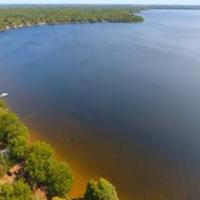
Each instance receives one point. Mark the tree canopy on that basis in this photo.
(18, 147)
(100, 190)
(10, 126)
(37, 162)
(3, 104)
(17, 191)
(59, 179)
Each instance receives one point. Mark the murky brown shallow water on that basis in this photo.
(115, 100)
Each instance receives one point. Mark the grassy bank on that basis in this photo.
(19, 17)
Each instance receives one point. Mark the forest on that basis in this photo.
(14, 17)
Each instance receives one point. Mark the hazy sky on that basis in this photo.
(106, 1)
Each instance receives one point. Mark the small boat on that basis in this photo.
(3, 95)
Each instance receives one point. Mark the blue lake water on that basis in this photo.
(120, 101)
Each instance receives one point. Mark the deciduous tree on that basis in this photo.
(100, 190)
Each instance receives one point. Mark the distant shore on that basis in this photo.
(12, 18)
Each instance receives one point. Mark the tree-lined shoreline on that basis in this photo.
(16, 17)
(29, 171)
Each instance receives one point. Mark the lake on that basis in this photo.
(121, 101)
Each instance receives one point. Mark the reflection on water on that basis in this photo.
(116, 100)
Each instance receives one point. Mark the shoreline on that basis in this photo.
(22, 155)
(13, 18)
(65, 23)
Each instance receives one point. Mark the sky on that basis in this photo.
(182, 2)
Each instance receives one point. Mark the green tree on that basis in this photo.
(10, 126)
(3, 104)
(22, 190)
(5, 162)
(100, 190)
(38, 161)
(17, 191)
(59, 180)
(6, 192)
(18, 147)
